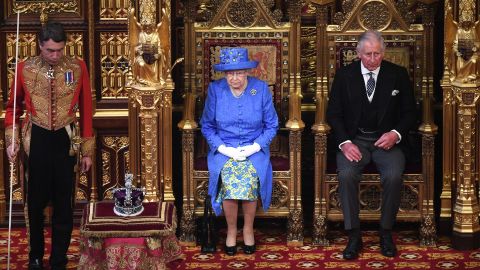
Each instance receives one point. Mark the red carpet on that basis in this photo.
(274, 254)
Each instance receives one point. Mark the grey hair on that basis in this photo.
(370, 35)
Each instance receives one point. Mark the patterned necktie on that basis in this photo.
(370, 84)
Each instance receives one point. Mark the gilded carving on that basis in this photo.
(319, 236)
(187, 141)
(308, 60)
(187, 226)
(114, 10)
(320, 144)
(428, 231)
(295, 226)
(462, 44)
(201, 192)
(105, 168)
(115, 143)
(295, 141)
(374, 15)
(428, 144)
(27, 47)
(80, 195)
(242, 13)
(149, 45)
(71, 6)
(74, 45)
(279, 194)
(83, 179)
(114, 64)
(370, 197)
(409, 198)
(17, 195)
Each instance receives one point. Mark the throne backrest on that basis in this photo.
(405, 45)
(267, 42)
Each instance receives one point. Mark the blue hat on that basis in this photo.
(234, 59)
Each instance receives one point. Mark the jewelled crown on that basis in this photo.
(128, 200)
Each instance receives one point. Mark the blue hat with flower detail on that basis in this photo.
(234, 58)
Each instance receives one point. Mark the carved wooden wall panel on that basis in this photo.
(114, 64)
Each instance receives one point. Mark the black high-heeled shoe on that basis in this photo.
(249, 249)
(231, 251)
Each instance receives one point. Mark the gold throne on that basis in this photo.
(253, 25)
(408, 45)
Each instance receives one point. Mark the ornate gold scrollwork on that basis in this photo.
(46, 7)
(319, 236)
(374, 15)
(187, 226)
(295, 226)
(279, 194)
(242, 13)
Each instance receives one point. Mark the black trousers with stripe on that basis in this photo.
(51, 179)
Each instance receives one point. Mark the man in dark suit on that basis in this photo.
(371, 109)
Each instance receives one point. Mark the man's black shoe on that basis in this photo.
(354, 246)
(35, 264)
(387, 246)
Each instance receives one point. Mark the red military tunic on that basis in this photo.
(51, 103)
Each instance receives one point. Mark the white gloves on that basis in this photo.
(249, 150)
(231, 152)
(239, 153)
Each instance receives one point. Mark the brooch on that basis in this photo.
(253, 92)
(69, 77)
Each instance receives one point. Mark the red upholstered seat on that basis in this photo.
(278, 164)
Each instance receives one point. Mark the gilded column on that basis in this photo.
(295, 125)
(462, 85)
(150, 106)
(188, 126)
(321, 128)
(466, 209)
(428, 129)
(449, 122)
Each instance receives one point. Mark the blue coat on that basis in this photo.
(238, 122)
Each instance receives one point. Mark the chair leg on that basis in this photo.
(320, 230)
(188, 227)
(428, 231)
(295, 227)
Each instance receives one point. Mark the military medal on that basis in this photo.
(69, 77)
(50, 73)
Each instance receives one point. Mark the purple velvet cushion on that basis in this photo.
(99, 220)
(137, 196)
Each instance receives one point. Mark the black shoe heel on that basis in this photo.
(230, 251)
(249, 249)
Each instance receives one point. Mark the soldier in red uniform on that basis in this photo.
(52, 88)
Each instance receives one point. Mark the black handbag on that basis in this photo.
(208, 233)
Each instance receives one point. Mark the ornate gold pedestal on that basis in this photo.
(150, 118)
(466, 209)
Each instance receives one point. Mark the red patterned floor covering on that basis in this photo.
(273, 253)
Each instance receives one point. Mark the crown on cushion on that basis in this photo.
(128, 200)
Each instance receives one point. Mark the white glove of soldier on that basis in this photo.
(249, 150)
(231, 152)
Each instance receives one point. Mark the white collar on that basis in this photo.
(366, 71)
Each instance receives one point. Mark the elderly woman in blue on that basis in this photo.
(239, 122)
